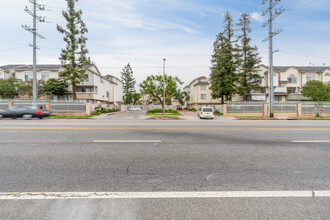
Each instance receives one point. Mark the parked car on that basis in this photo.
(134, 109)
(26, 112)
(206, 112)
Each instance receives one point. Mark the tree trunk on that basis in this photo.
(74, 93)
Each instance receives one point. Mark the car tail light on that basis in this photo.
(39, 112)
(201, 113)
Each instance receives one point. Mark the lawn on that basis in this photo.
(168, 117)
(159, 112)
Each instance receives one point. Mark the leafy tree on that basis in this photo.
(56, 87)
(132, 98)
(225, 63)
(26, 88)
(9, 88)
(182, 97)
(74, 57)
(317, 91)
(249, 78)
(128, 82)
(153, 86)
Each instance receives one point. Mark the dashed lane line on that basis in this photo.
(162, 195)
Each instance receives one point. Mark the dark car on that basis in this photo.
(26, 112)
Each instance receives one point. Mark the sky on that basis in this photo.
(144, 32)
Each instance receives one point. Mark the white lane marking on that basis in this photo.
(127, 141)
(311, 141)
(163, 195)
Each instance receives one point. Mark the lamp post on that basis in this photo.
(164, 86)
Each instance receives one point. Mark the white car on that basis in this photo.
(134, 109)
(206, 112)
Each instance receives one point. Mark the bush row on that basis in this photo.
(101, 110)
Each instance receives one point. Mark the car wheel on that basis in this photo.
(27, 116)
(1, 117)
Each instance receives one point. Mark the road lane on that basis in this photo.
(191, 157)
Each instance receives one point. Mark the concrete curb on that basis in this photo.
(116, 113)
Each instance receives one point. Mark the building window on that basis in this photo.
(86, 90)
(108, 94)
(28, 76)
(291, 91)
(86, 78)
(292, 79)
(96, 90)
(253, 91)
(45, 76)
(327, 74)
(203, 96)
(203, 87)
(310, 77)
(101, 80)
(282, 85)
(202, 80)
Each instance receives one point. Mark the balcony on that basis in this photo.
(296, 97)
(85, 95)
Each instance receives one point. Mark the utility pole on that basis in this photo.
(164, 87)
(34, 45)
(272, 16)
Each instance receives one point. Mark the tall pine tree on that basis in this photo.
(249, 78)
(225, 63)
(128, 82)
(74, 57)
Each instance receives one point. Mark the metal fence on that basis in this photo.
(67, 107)
(285, 107)
(3, 106)
(245, 107)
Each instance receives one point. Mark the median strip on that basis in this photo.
(162, 195)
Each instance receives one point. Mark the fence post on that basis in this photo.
(47, 107)
(265, 110)
(299, 110)
(10, 104)
(88, 109)
(224, 109)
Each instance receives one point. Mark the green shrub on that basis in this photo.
(217, 112)
(101, 110)
(155, 111)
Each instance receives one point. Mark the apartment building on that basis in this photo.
(200, 93)
(95, 88)
(288, 82)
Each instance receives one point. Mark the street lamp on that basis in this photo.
(164, 87)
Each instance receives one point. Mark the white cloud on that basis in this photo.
(257, 16)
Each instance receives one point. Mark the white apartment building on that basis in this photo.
(288, 83)
(200, 93)
(95, 88)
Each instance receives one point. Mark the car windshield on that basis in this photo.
(207, 110)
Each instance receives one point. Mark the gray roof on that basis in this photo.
(30, 67)
(12, 66)
(304, 68)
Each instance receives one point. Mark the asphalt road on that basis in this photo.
(164, 157)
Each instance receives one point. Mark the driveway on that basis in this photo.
(129, 115)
